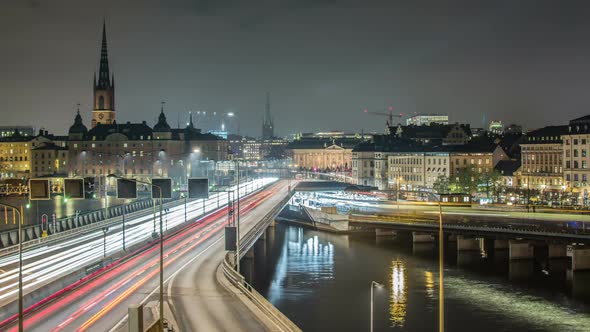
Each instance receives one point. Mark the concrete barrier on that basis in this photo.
(29, 234)
(5, 240)
(14, 236)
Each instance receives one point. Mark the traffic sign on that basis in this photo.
(165, 184)
(198, 188)
(126, 189)
(74, 188)
(39, 189)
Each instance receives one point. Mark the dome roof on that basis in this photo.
(78, 127)
(162, 125)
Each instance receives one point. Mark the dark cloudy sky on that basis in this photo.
(322, 60)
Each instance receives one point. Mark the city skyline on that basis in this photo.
(224, 57)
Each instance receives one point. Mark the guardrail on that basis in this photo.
(236, 279)
(116, 214)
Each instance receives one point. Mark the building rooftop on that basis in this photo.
(507, 167)
(546, 135)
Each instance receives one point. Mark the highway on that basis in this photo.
(100, 301)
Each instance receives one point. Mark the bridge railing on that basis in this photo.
(248, 240)
(513, 229)
(270, 311)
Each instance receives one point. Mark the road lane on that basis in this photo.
(43, 270)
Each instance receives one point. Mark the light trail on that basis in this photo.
(87, 249)
(212, 228)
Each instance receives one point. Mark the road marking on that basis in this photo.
(166, 281)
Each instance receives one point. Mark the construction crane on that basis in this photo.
(390, 115)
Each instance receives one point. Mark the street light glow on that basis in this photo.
(197, 150)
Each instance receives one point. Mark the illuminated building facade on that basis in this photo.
(542, 156)
(8, 131)
(427, 119)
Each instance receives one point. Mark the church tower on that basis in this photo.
(267, 124)
(104, 89)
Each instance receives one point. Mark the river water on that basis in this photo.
(322, 282)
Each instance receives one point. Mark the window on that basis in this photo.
(584, 179)
(575, 141)
(567, 177)
(575, 177)
(575, 164)
(567, 164)
(583, 163)
(583, 152)
(567, 142)
(583, 141)
(101, 103)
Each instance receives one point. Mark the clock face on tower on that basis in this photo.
(100, 116)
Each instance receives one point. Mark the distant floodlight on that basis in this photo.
(230, 114)
(197, 150)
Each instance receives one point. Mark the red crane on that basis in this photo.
(390, 115)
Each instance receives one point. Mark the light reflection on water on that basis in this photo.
(398, 294)
(302, 264)
(529, 309)
(321, 281)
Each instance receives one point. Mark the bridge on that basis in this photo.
(86, 280)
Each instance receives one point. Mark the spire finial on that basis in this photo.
(103, 73)
(162, 109)
(78, 108)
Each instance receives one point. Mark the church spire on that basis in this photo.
(267, 117)
(103, 72)
(267, 124)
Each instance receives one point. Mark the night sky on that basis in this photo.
(323, 61)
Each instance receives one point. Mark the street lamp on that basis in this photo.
(105, 230)
(161, 245)
(373, 285)
(441, 308)
(20, 263)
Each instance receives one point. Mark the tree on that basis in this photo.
(465, 181)
(442, 184)
(490, 183)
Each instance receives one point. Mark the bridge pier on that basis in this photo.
(418, 237)
(383, 232)
(501, 244)
(260, 249)
(465, 243)
(557, 250)
(580, 258)
(520, 250)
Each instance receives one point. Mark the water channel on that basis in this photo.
(321, 281)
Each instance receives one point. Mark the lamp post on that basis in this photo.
(161, 245)
(373, 285)
(238, 220)
(20, 263)
(105, 230)
(441, 306)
